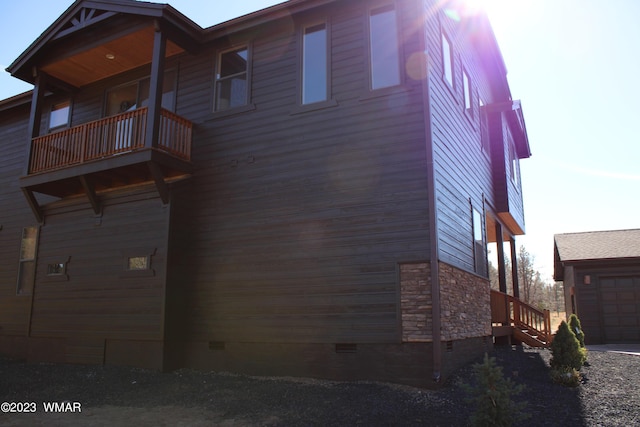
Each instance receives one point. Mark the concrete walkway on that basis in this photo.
(616, 348)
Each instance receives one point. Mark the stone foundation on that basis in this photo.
(465, 309)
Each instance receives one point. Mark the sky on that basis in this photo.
(572, 63)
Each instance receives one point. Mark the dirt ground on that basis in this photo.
(119, 396)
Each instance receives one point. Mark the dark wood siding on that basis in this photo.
(462, 168)
(14, 215)
(98, 298)
(299, 220)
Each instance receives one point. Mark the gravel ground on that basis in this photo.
(113, 396)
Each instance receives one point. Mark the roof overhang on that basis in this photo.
(94, 39)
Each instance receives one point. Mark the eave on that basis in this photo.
(87, 31)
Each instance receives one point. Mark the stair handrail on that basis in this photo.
(520, 314)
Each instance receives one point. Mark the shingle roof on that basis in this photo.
(598, 245)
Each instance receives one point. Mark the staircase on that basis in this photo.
(517, 322)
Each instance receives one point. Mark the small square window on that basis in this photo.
(55, 269)
(59, 115)
(137, 263)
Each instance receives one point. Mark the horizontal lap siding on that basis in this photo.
(300, 220)
(462, 169)
(14, 215)
(97, 299)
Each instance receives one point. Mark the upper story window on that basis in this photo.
(59, 114)
(466, 86)
(314, 64)
(384, 47)
(232, 79)
(447, 60)
(484, 127)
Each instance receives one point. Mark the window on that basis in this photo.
(27, 264)
(137, 263)
(55, 269)
(314, 64)
(447, 60)
(59, 115)
(513, 163)
(231, 79)
(466, 86)
(478, 244)
(134, 95)
(484, 127)
(384, 55)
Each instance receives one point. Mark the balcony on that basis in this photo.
(106, 154)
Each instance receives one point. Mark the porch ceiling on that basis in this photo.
(128, 52)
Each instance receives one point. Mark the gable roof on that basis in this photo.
(83, 14)
(595, 245)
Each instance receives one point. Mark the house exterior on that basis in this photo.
(600, 271)
(305, 190)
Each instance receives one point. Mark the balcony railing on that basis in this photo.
(108, 137)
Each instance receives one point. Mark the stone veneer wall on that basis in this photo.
(464, 303)
(415, 302)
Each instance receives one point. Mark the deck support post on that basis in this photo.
(155, 89)
(514, 268)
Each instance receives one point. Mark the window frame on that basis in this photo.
(467, 93)
(127, 255)
(303, 61)
(22, 261)
(448, 77)
(398, 51)
(478, 229)
(247, 73)
(61, 125)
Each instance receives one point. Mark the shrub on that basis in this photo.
(576, 328)
(566, 350)
(566, 376)
(491, 395)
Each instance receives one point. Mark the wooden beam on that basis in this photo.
(502, 271)
(91, 194)
(155, 89)
(158, 178)
(34, 205)
(514, 268)
(35, 116)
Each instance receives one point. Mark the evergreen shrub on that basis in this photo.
(565, 349)
(491, 394)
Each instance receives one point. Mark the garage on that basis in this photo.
(600, 271)
(620, 302)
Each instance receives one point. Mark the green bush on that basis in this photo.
(566, 376)
(566, 350)
(576, 328)
(491, 396)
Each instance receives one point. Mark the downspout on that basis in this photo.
(433, 230)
